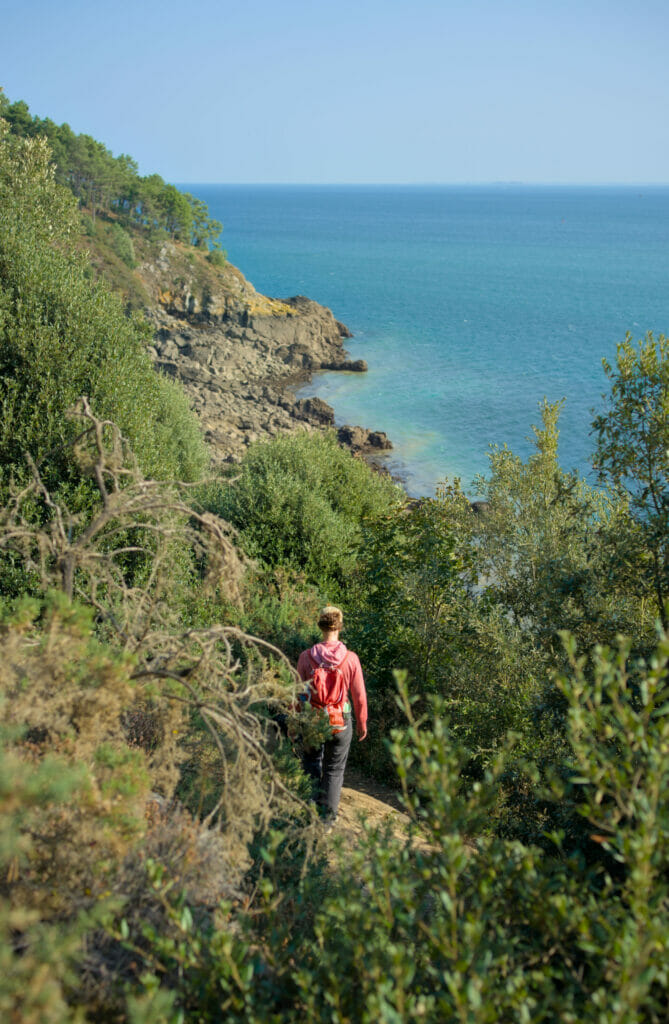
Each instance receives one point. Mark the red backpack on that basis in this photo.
(328, 691)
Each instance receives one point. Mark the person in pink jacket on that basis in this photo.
(326, 764)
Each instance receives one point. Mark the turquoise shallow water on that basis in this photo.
(470, 304)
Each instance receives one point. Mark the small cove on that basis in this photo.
(470, 304)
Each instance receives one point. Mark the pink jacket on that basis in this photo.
(332, 654)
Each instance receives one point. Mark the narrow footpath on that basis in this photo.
(364, 799)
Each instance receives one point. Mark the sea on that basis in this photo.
(470, 304)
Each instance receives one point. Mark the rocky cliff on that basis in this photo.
(239, 354)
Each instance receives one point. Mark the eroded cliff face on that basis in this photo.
(239, 354)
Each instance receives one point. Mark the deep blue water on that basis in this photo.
(470, 304)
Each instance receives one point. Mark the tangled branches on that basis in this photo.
(91, 554)
(120, 555)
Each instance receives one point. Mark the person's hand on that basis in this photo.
(362, 733)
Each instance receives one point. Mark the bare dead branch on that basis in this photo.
(118, 557)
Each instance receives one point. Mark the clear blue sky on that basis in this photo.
(364, 91)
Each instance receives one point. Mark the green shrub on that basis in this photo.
(280, 606)
(631, 458)
(37, 958)
(96, 862)
(447, 923)
(217, 257)
(87, 225)
(122, 245)
(299, 501)
(62, 337)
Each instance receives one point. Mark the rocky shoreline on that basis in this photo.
(240, 355)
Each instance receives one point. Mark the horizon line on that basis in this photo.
(432, 184)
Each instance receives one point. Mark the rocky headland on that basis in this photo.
(240, 355)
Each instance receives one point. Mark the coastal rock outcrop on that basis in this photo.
(352, 365)
(240, 355)
(315, 410)
(363, 441)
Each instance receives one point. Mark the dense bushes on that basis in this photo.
(300, 501)
(61, 337)
(445, 929)
(441, 926)
(164, 917)
(101, 871)
(157, 862)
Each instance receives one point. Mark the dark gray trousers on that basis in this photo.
(326, 765)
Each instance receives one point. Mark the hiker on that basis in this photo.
(333, 672)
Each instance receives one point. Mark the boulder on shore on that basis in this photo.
(352, 365)
(363, 441)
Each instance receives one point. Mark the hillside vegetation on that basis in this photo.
(159, 858)
(105, 184)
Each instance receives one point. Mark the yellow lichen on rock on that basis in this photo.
(261, 305)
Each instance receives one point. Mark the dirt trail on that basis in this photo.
(368, 801)
(371, 801)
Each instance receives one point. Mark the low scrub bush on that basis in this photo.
(122, 245)
(449, 923)
(299, 501)
(280, 606)
(217, 257)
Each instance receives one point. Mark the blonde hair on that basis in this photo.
(330, 619)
